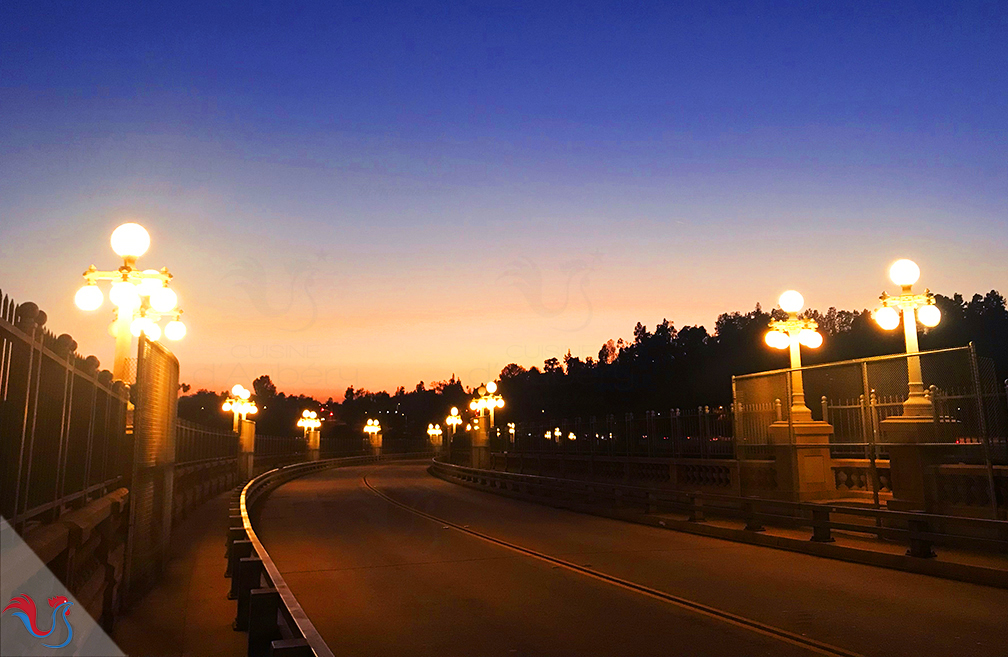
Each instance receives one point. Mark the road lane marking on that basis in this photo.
(696, 607)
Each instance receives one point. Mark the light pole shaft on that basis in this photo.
(916, 403)
(799, 411)
(122, 344)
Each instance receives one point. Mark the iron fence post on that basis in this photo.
(868, 425)
(975, 371)
(820, 525)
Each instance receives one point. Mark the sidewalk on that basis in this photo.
(188, 612)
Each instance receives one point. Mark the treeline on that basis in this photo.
(657, 369)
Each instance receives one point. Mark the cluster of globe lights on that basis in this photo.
(372, 427)
(309, 420)
(130, 241)
(792, 302)
(487, 399)
(434, 430)
(453, 418)
(905, 273)
(239, 402)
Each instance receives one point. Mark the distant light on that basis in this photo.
(904, 272)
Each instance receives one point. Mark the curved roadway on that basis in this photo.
(511, 578)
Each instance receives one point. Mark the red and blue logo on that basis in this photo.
(24, 609)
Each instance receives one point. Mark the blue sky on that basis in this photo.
(402, 191)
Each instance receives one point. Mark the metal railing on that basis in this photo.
(266, 607)
(918, 531)
(62, 422)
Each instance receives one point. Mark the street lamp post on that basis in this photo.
(240, 403)
(913, 308)
(453, 421)
(434, 433)
(373, 430)
(484, 405)
(310, 422)
(792, 333)
(141, 297)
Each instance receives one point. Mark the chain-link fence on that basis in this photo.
(950, 399)
(155, 396)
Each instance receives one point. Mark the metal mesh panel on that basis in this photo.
(759, 402)
(156, 399)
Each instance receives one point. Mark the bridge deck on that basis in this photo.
(379, 579)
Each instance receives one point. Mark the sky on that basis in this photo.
(371, 195)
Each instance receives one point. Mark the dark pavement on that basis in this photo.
(377, 579)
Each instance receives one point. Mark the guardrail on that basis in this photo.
(919, 531)
(267, 609)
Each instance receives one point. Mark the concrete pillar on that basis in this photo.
(314, 441)
(246, 450)
(481, 443)
(909, 459)
(803, 466)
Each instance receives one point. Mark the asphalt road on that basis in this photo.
(378, 579)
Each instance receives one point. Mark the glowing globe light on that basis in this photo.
(89, 297)
(237, 389)
(138, 326)
(124, 295)
(904, 272)
(791, 301)
(491, 387)
(777, 340)
(929, 315)
(887, 318)
(163, 299)
(150, 283)
(226, 406)
(130, 240)
(454, 410)
(809, 338)
(175, 330)
(152, 331)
